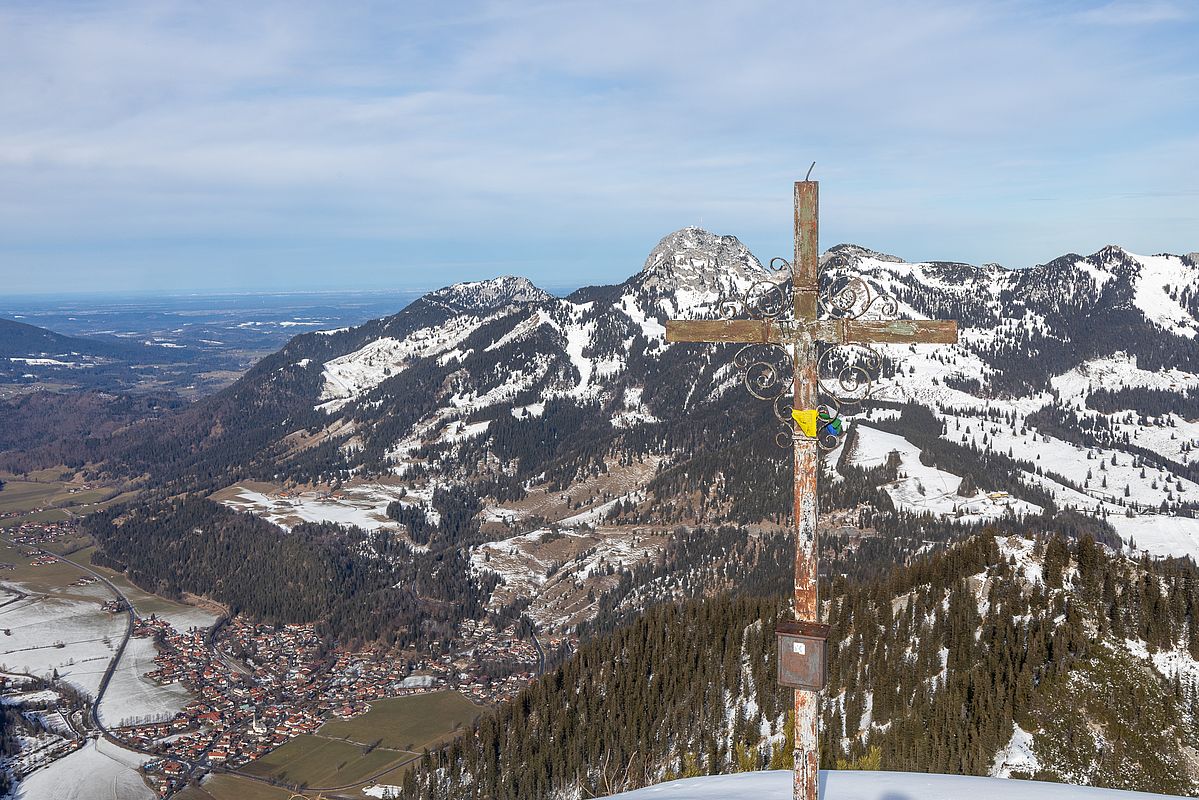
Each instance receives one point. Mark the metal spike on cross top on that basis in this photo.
(822, 349)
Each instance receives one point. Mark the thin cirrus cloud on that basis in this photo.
(1133, 13)
(164, 145)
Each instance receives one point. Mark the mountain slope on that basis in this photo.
(475, 353)
(573, 415)
(23, 341)
(1035, 657)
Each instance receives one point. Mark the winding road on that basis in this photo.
(540, 655)
(130, 614)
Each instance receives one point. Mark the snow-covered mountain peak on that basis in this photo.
(1111, 252)
(694, 259)
(848, 253)
(1112, 260)
(489, 294)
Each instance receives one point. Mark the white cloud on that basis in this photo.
(502, 125)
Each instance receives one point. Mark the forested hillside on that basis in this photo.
(1047, 657)
(356, 585)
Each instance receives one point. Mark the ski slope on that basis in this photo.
(855, 785)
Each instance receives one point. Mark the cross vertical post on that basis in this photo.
(813, 425)
(805, 286)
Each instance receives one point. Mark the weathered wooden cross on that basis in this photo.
(802, 665)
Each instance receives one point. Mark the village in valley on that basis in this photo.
(253, 691)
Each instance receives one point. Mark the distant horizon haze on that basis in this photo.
(561, 289)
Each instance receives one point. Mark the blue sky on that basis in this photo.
(193, 146)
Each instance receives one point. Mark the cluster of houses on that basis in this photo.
(39, 533)
(240, 712)
(358, 678)
(254, 687)
(491, 666)
(260, 685)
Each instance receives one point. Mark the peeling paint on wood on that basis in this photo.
(899, 331)
(807, 468)
(831, 331)
(746, 331)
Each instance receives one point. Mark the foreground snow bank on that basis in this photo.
(874, 786)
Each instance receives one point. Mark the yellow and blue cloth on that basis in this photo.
(811, 421)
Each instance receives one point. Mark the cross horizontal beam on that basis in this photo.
(831, 331)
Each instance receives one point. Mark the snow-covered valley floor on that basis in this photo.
(854, 785)
(98, 771)
(132, 696)
(44, 633)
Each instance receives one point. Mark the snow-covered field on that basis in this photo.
(1091, 468)
(364, 505)
(98, 771)
(39, 634)
(851, 785)
(130, 695)
(1117, 371)
(182, 618)
(1160, 535)
(924, 489)
(928, 489)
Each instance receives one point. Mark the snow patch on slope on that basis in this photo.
(1016, 756)
(362, 505)
(1156, 274)
(925, 489)
(1117, 371)
(349, 376)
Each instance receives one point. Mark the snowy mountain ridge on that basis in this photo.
(1163, 287)
(692, 272)
(485, 295)
(564, 411)
(431, 387)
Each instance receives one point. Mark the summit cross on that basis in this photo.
(802, 643)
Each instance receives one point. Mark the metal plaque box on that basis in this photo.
(803, 654)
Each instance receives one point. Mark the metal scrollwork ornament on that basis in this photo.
(766, 298)
(766, 371)
(846, 373)
(853, 298)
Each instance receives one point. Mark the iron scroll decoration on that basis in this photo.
(846, 373)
